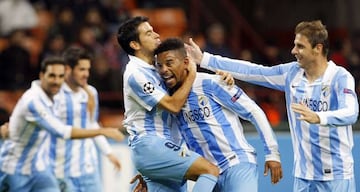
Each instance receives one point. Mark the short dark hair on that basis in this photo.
(128, 31)
(171, 44)
(73, 54)
(51, 60)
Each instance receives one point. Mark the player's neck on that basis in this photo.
(316, 71)
(148, 58)
(74, 87)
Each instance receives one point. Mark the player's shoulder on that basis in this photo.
(92, 89)
(205, 76)
(337, 69)
(208, 78)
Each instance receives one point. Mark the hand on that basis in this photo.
(306, 113)
(192, 66)
(227, 77)
(113, 133)
(141, 186)
(115, 161)
(275, 169)
(4, 130)
(194, 51)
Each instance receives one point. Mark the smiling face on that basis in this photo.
(172, 66)
(78, 76)
(304, 52)
(52, 79)
(311, 44)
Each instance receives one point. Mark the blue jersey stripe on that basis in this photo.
(219, 92)
(83, 126)
(332, 97)
(69, 121)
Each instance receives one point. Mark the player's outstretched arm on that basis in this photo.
(115, 161)
(114, 133)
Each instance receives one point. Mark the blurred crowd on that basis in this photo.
(33, 29)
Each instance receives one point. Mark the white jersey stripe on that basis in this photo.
(143, 89)
(322, 151)
(32, 120)
(210, 125)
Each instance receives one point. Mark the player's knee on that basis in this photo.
(209, 168)
(213, 170)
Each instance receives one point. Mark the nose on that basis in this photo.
(87, 73)
(163, 69)
(294, 50)
(59, 80)
(156, 35)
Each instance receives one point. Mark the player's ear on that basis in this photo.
(135, 45)
(318, 48)
(41, 75)
(186, 61)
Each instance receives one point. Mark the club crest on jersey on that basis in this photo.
(148, 88)
(325, 90)
(237, 95)
(202, 101)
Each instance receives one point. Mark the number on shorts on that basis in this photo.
(172, 146)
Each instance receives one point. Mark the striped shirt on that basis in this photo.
(321, 151)
(31, 123)
(142, 92)
(210, 125)
(77, 157)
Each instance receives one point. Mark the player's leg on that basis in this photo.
(41, 181)
(161, 159)
(301, 185)
(64, 185)
(238, 178)
(165, 186)
(347, 185)
(89, 182)
(204, 173)
(44, 181)
(4, 186)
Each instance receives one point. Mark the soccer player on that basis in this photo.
(321, 107)
(147, 115)
(76, 161)
(210, 125)
(24, 156)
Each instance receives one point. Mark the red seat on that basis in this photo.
(168, 22)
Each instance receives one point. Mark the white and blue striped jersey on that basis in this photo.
(321, 151)
(210, 125)
(31, 123)
(77, 157)
(143, 89)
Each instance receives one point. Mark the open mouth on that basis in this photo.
(168, 79)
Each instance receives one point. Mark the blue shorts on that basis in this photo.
(159, 159)
(84, 183)
(304, 185)
(238, 178)
(166, 186)
(64, 185)
(43, 181)
(3, 185)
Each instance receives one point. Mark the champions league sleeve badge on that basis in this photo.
(148, 88)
